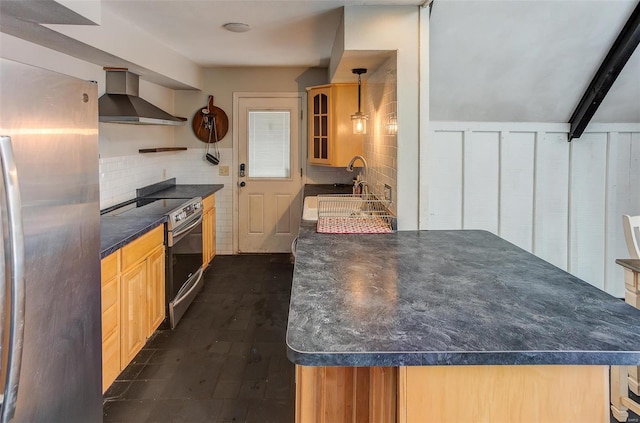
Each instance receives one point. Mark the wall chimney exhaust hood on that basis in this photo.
(121, 104)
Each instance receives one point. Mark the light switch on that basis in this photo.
(223, 171)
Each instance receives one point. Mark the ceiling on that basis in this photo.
(283, 33)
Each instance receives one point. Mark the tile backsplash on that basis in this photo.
(121, 176)
(381, 140)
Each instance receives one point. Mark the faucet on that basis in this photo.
(364, 162)
(363, 182)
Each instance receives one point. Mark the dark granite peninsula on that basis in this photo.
(450, 326)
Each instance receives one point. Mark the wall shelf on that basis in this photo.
(160, 149)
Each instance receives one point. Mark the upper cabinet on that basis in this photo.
(331, 139)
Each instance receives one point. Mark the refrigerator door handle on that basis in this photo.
(17, 287)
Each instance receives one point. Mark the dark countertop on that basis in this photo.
(316, 189)
(447, 298)
(631, 264)
(118, 231)
(186, 191)
(169, 189)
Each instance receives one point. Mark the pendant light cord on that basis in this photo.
(359, 93)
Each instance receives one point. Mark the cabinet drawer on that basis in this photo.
(109, 266)
(208, 202)
(140, 248)
(110, 320)
(109, 293)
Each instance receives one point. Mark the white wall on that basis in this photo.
(396, 28)
(524, 182)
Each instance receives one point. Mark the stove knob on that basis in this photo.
(178, 218)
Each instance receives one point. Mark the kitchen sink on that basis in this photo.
(310, 209)
(347, 214)
(336, 206)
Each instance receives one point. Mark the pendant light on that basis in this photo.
(359, 119)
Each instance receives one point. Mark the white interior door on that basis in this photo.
(269, 193)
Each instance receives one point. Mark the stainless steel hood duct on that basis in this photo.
(121, 104)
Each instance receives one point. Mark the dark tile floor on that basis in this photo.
(226, 361)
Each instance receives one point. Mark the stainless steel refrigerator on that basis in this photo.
(49, 198)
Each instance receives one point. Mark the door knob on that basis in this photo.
(241, 184)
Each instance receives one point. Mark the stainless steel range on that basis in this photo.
(183, 237)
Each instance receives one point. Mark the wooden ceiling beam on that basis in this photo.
(613, 63)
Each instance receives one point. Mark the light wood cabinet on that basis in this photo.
(507, 393)
(134, 311)
(208, 229)
(110, 319)
(345, 394)
(331, 138)
(155, 290)
(133, 301)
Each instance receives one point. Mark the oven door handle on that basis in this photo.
(188, 228)
(189, 286)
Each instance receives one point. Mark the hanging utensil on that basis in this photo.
(212, 158)
(216, 151)
(206, 123)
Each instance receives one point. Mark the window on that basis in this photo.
(269, 144)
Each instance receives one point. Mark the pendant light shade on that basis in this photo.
(359, 119)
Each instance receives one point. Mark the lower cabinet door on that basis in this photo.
(212, 234)
(110, 360)
(208, 236)
(206, 229)
(155, 290)
(134, 325)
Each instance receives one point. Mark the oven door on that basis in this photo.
(184, 272)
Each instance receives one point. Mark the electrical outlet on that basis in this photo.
(387, 192)
(164, 174)
(223, 171)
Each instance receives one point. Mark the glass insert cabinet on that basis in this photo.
(331, 140)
